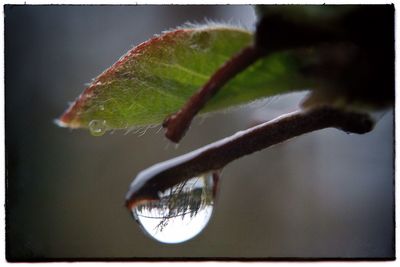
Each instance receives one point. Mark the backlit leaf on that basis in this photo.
(155, 79)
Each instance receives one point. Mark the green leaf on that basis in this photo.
(156, 78)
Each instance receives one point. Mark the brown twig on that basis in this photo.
(177, 124)
(216, 155)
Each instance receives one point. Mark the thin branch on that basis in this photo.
(216, 155)
(177, 124)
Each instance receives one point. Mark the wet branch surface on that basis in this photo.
(216, 155)
(177, 124)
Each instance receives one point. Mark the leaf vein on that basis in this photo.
(180, 67)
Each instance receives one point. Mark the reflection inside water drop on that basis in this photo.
(97, 127)
(181, 213)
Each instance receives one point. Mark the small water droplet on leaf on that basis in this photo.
(181, 213)
(97, 127)
(201, 41)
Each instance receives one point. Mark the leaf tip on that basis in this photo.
(68, 118)
(60, 123)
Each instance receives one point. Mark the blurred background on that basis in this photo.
(324, 194)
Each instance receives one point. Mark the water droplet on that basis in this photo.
(97, 127)
(201, 41)
(182, 211)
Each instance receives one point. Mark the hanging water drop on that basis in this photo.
(97, 127)
(181, 212)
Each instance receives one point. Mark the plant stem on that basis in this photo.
(177, 124)
(216, 155)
